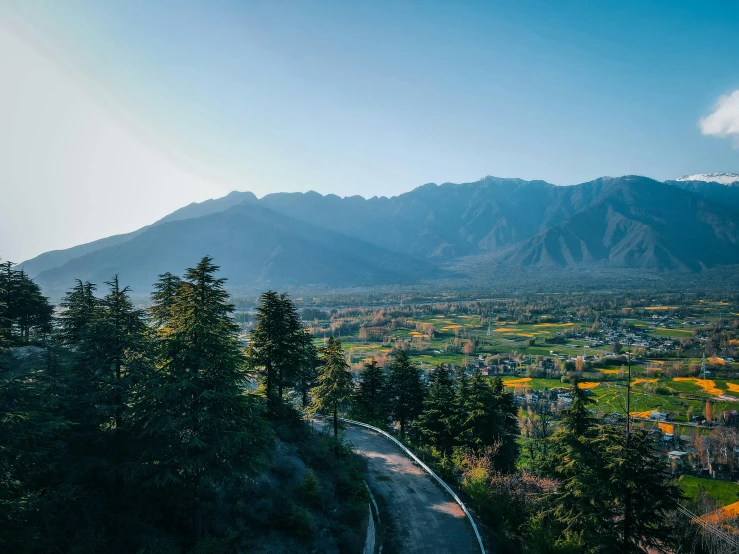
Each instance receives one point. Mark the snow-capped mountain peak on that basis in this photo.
(723, 178)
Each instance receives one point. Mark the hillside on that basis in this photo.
(252, 244)
(311, 239)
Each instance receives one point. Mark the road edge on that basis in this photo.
(428, 470)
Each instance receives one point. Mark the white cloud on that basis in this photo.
(723, 121)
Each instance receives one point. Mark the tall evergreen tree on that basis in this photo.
(370, 398)
(78, 311)
(307, 373)
(200, 429)
(481, 424)
(436, 420)
(507, 427)
(636, 490)
(458, 409)
(276, 346)
(24, 310)
(32, 440)
(576, 504)
(120, 335)
(406, 391)
(335, 385)
(163, 299)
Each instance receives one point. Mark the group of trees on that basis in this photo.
(452, 412)
(135, 430)
(24, 311)
(588, 486)
(613, 493)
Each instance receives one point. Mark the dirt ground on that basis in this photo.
(426, 520)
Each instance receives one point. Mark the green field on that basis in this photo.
(723, 492)
(611, 397)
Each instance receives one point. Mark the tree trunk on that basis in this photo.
(269, 387)
(118, 398)
(197, 530)
(336, 424)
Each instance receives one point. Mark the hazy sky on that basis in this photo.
(114, 113)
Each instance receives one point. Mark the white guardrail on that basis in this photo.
(439, 480)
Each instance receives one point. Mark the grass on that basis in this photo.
(673, 333)
(723, 492)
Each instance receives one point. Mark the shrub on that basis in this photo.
(309, 490)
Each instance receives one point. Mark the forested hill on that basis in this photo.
(425, 234)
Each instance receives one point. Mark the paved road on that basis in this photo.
(426, 520)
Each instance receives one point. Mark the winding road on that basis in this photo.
(425, 519)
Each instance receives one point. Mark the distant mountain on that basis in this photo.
(309, 238)
(638, 223)
(57, 258)
(723, 178)
(254, 246)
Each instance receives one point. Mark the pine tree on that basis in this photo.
(75, 331)
(370, 398)
(481, 424)
(307, 373)
(508, 429)
(406, 391)
(163, 299)
(120, 335)
(32, 440)
(275, 351)
(78, 310)
(635, 490)
(458, 409)
(435, 422)
(574, 506)
(335, 385)
(200, 430)
(24, 311)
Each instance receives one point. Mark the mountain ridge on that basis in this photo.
(625, 222)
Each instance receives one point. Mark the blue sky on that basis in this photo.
(376, 98)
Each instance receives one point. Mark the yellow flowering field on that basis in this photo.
(721, 515)
(707, 385)
(516, 382)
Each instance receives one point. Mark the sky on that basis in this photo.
(115, 113)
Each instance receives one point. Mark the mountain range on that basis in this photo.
(432, 232)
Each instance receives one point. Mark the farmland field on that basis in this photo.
(723, 492)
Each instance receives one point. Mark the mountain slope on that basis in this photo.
(254, 246)
(639, 223)
(57, 258)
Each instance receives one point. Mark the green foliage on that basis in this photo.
(436, 420)
(32, 434)
(335, 386)
(406, 391)
(607, 476)
(199, 426)
(279, 349)
(722, 492)
(370, 398)
(309, 490)
(25, 313)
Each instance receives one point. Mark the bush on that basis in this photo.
(309, 490)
